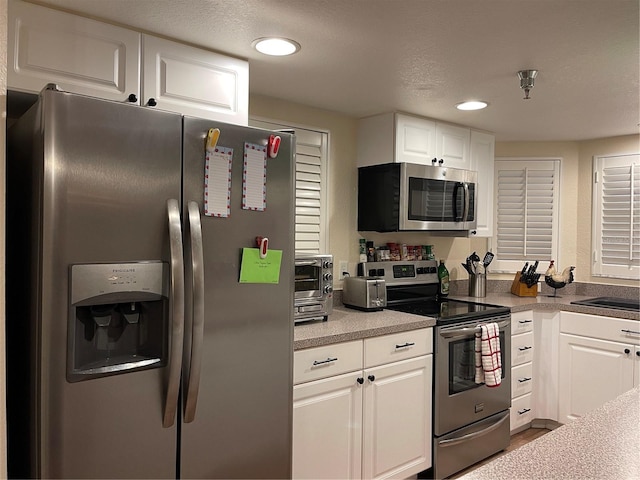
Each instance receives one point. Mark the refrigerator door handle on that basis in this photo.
(197, 322)
(176, 302)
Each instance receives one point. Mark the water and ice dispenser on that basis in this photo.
(118, 318)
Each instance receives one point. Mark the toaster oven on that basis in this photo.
(313, 299)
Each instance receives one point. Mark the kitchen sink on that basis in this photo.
(611, 302)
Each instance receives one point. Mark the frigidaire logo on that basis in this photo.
(123, 270)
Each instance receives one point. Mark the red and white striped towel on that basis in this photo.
(488, 359)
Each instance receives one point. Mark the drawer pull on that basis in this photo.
(408, 344)
(323, 362)
(523, 411)
(525, 321)
(522, 349)
(631, 332)
(525, 379)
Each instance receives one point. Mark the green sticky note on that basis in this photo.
(254, 269)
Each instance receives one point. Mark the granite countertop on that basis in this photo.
(603, 444)
(346, 324)
(550, 303)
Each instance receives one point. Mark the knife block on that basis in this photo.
(521, 290)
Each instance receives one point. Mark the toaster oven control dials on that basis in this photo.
(327, 264)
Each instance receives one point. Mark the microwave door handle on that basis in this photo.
(456, 218)
(465, 214)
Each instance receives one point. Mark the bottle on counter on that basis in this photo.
(443, 278)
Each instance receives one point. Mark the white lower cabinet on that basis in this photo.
(599, 359)
(397, 419)
(327, 428)
(522, 353)
(371, 422)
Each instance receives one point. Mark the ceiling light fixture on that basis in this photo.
(473, 105)
(527, 78)
(276, 46)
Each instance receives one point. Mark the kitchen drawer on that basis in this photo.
(397, 346)
(327, 361)
(521, 411)
(603, 328)
(521, 379)
(521, 322)
(521, 348)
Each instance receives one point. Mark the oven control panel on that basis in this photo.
(399, 273)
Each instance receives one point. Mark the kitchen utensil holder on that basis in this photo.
(478, 285)
(521, 290)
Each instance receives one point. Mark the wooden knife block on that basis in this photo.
(521, 290)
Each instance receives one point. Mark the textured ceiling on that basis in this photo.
(362, 57)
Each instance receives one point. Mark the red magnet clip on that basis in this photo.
(263, 245)
(274, 145)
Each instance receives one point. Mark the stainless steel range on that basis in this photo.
(470, 420)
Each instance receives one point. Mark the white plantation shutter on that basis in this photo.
(526, 200)
(310, 182)
(616, 216)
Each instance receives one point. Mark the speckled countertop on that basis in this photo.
(346, 324)
(603, 444)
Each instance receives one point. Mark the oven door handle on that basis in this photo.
(470, 436)
(466, 331)
(305, 263)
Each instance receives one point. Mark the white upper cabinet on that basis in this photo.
(93, 58)
(195, 82)
(452, 146)
(398, 137)
(482, 153)
(80, 55)
(415, 139)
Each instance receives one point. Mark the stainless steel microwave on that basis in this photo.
(396, 197)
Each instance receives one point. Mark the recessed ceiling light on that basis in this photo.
(475, 105)
(276, 46)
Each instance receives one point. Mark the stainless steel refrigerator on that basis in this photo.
(135, 347)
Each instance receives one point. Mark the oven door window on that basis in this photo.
(462, 368)
(307, 278)
(439, 200)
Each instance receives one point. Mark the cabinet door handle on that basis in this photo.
(631, 332)
(525, 379)
(638, 353)
(360, 380)
(522, 349)
(525, 321)
(523, 411)
(322, 362)
(408, 344)
(371, 378)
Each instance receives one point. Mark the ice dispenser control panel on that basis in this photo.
(118, 318)
(93, 280)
